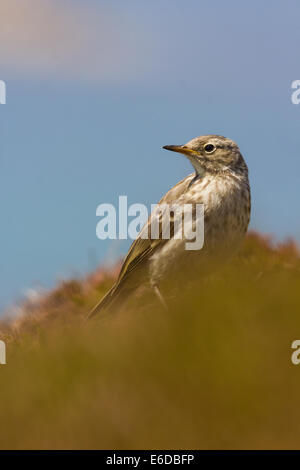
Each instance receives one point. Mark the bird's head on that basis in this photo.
(212, 154)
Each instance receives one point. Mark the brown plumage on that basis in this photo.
(220, 182)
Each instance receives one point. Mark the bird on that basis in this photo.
(220, 183)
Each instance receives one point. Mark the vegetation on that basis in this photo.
(214, 372)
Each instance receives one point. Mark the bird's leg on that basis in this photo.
(160, 297)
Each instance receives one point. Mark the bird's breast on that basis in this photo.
(226, 204)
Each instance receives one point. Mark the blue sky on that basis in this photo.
(95, 88)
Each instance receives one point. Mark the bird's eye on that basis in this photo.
(209, 148)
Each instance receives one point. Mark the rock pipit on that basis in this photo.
(220, 182)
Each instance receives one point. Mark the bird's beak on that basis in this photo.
(182, 149)
(193, 156)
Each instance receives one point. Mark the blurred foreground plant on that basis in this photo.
(214, 371)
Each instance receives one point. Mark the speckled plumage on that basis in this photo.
(220, 182)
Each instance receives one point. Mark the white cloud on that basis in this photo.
(65, 39)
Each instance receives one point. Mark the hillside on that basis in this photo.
(214, 371)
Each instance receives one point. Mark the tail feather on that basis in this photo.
(112, 298)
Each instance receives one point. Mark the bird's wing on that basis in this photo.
(142, 248)
(140, 251)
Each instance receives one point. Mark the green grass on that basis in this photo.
(213, 372)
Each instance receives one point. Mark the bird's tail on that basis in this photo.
(112, 298)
